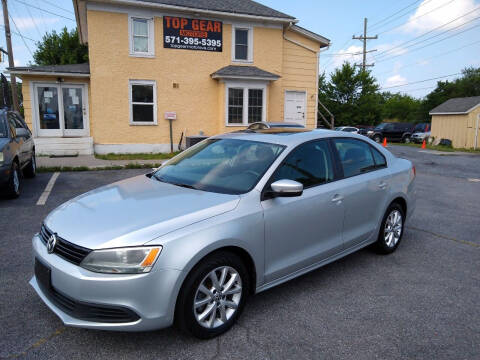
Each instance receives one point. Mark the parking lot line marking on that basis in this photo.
(48, 189)
(465, 242)
(473, 180)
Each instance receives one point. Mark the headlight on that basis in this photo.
(133, 260)
(1, 156)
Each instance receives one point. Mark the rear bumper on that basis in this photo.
(151, 297)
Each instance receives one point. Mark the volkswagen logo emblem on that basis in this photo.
(52, 241)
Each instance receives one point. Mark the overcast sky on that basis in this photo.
(417, 40)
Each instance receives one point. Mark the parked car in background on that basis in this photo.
(17, 153)
(364, 129)
(233, 215)
(261, 125)
(421, 132)
(392, 131)
(350, 129)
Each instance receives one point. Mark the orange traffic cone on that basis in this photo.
(384, 142)
(424, 145)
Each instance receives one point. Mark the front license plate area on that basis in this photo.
(43, 274)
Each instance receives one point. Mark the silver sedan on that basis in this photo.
(230, 217)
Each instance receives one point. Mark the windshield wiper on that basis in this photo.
(174, 183)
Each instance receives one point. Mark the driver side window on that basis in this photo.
(310, 164)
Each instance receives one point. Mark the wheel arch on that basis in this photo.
(402, 202)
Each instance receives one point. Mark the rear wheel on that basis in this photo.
(31, 169)
(391, 230)
(406, 139)
(213, 295)
(13, 185)
(377, 139)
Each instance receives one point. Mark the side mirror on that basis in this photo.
(286, 188)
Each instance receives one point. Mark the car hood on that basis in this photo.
(134, 211)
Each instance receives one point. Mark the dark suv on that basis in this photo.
(392, 131)
(17, 152)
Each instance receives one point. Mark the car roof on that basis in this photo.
(286, 136)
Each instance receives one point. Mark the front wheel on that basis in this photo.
(406, 139)
(213, 296)
(391, 230)
(31, 169)
(13, 186)
(377, 139)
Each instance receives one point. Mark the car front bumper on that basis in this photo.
(151, 296)
(4, 173)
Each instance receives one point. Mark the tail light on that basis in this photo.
(414, 171)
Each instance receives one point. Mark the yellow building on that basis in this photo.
(458, 120)
(214, 66)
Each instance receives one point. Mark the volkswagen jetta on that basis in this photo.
(232, 216)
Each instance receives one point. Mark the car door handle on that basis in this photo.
(337, 198)
(382, 185)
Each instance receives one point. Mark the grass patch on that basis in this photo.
(46, 169)
(139, 156)
(439, 148)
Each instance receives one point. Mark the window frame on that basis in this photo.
(152, 83)
(150, 36)
(246, 87)
(249, 59)
(338, 160)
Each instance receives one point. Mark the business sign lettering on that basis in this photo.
(192, 34)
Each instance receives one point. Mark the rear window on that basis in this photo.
(355, 156)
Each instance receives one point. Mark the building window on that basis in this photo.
(242, 42)
(255, 105)
(141, 36)
(235, 106)
(245, 105)
(143, 102)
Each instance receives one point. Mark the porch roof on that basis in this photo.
(244, 72)
(74, 70)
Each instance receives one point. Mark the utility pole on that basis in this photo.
(364, 38)
(8, 37)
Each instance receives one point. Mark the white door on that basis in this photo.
(295, 102)
(61, 110)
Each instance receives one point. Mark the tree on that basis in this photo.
(60, 49)
(467, 85)
(401, 107)
(351, 95)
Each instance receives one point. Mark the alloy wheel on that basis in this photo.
(16, 181)
(393, 228)
(217, 297)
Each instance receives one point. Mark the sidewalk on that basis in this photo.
(90, 162)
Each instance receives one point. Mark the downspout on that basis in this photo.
(476, 134)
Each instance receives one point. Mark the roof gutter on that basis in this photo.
(235, 77)
(43, 73)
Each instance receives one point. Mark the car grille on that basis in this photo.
(66, 250)
(79, 309)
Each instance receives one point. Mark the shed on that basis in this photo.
(457, 119)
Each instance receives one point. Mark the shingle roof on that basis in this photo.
(61, 69)
(457, 105)
(241, 72)
(246, 7)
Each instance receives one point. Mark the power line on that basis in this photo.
(47, 11)
(399, 11)
(364, 39)
(58, 7)
(415, 18)
(24, 42)
(432, 43)
(18, 34)
(383, 53)
(432, 57)
(420, 81)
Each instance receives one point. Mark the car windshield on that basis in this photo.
(228, 166)
(3, 127)
(381, 126)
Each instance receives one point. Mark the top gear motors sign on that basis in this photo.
(192, 34)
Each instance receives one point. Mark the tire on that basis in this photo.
(14, 182)
(384, 243)
(31, 169)
(406, 139)
(215, 322)
(377, 139)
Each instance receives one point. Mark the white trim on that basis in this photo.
(317, 73)
(246, 78)
(26, 72)
(151, 36)
(130, 103)
(305, 116)
(249, 28)
(246, 86)
(300, 44)
(133, 148)
(310, 35)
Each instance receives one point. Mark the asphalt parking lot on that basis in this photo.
(421, 302)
